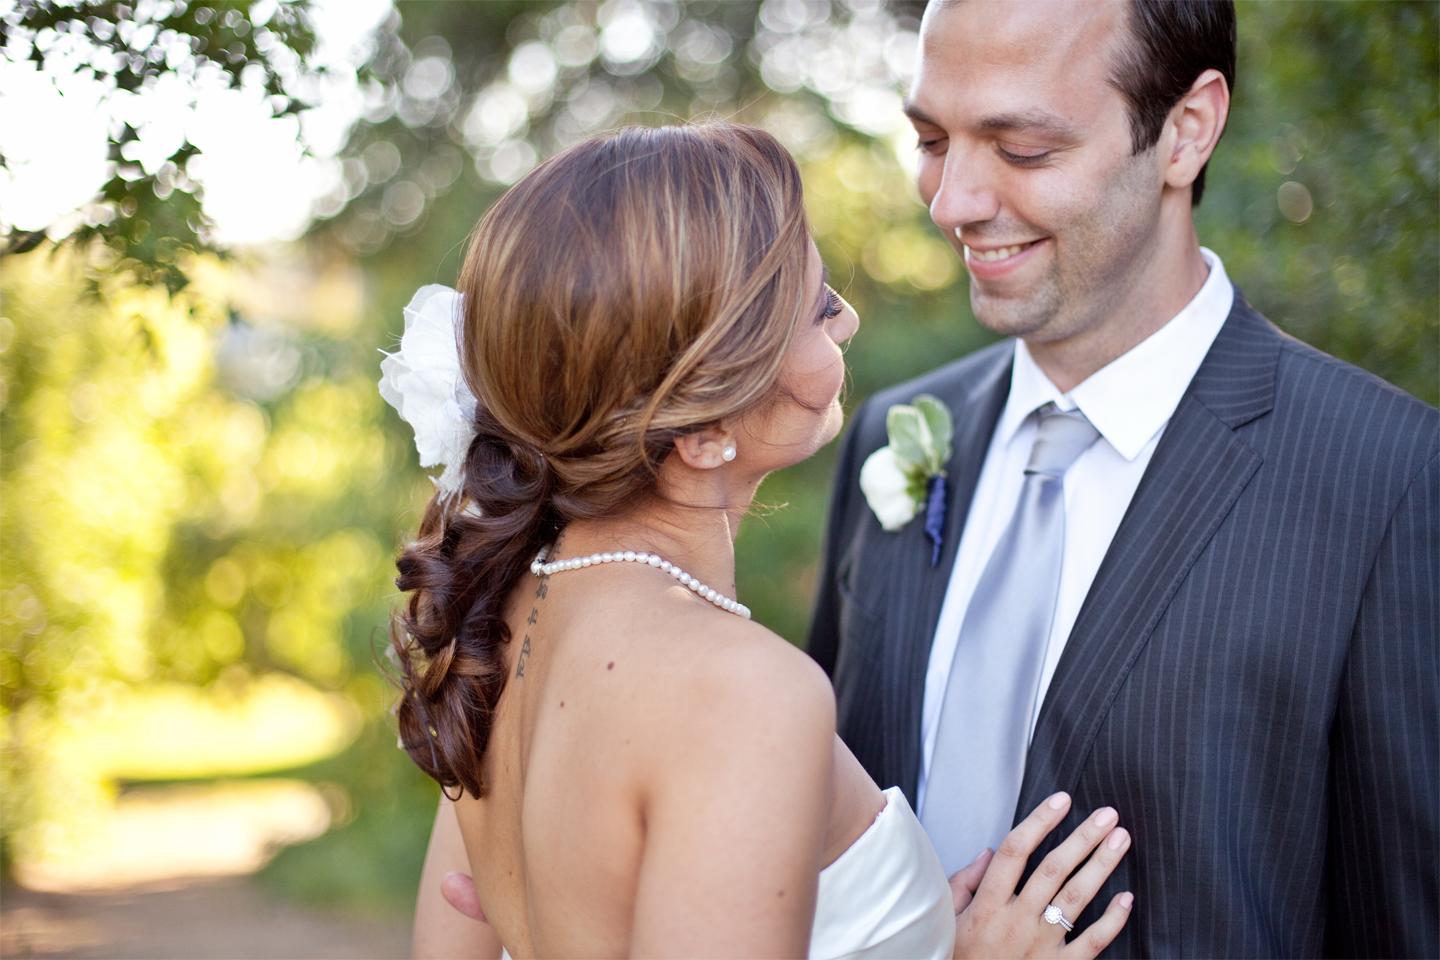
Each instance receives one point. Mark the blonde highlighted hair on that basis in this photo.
(629, 289)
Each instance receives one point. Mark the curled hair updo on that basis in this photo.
(628, 290)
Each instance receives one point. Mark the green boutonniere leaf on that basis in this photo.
(909, 436)
(942, 431)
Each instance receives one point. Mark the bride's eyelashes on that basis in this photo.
(833, 305)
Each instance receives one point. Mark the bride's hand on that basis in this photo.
(997, 922)
(964, 884)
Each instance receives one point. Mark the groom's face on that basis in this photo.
(1025, 161)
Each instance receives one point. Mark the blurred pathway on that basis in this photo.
(165, 875)
(193, 920)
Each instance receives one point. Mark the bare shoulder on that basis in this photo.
(726, 658)
(738, 777)
(703, 676)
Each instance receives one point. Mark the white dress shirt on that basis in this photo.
(1129, 402)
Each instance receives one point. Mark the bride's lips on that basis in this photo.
(993, 261)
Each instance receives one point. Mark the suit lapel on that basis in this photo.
(1197, 473)
(976, 411)
(975, 406)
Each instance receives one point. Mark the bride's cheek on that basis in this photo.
(835, 378)
(827, 371)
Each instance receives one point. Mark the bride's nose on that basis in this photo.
(846, 324)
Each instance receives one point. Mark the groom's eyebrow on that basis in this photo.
(1028, 121)
(915, 113)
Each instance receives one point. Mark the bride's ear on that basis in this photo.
(706, 448)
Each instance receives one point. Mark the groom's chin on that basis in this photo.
(1011, 316)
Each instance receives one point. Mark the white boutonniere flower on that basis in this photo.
(908, 475)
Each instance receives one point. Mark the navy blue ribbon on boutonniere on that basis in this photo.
(935, 502)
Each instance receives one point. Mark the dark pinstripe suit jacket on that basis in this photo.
(1253, 677)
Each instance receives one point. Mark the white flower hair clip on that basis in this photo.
(423, 382)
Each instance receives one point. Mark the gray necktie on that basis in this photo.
(990, 697)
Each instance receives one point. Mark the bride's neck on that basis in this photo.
(699, 540)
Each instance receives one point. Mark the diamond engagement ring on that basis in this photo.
(1054, 914)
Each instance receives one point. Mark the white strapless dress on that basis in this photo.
(886, 896)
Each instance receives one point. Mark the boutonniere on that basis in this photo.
(908, 475)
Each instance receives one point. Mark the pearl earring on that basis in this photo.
(728, 454)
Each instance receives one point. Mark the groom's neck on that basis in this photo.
(1170, 280)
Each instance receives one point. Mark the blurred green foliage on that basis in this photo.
(171, 517)
(148, 210)
(1327, 181)
(203, 484)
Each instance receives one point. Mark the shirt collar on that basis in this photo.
(1133, 397)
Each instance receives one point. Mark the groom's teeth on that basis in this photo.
(989, 256)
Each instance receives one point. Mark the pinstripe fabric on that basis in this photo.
(1254, 679)
(865, 631)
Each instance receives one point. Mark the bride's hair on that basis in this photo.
(630, 289)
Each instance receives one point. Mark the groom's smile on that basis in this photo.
(992, 262)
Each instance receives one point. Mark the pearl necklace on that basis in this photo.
(540, 568)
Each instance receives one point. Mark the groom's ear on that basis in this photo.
(704, 448)
(1194, 127)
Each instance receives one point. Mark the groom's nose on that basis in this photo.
(964, 196)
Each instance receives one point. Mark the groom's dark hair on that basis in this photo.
(1171, 43)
